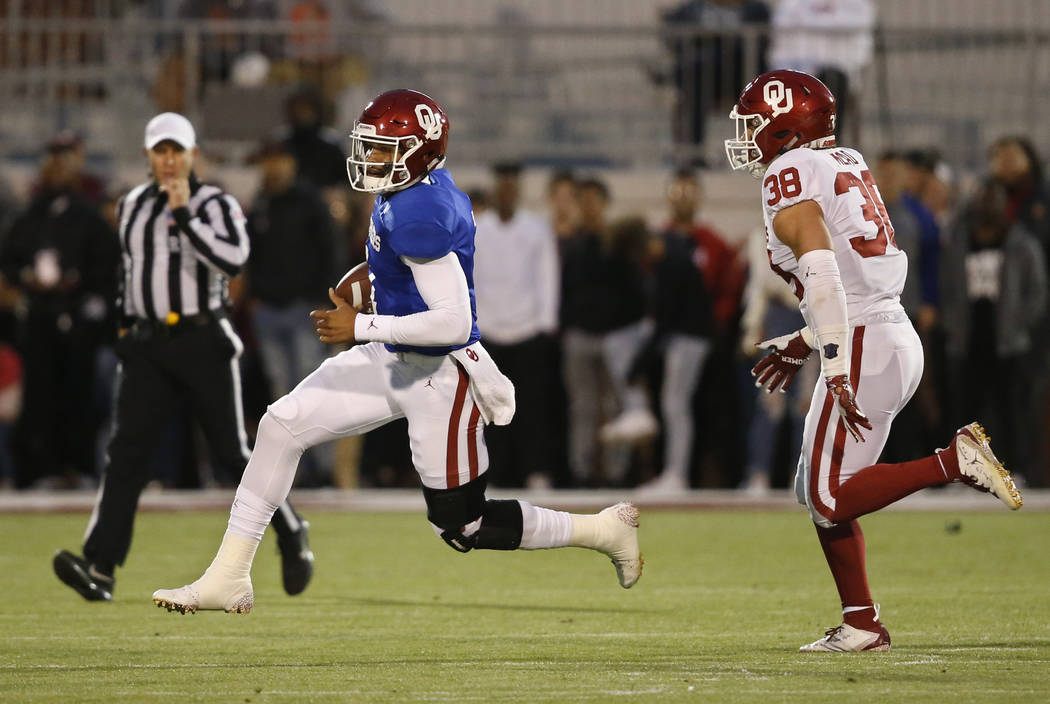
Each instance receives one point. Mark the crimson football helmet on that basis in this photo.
(778, 111)
(399, 138)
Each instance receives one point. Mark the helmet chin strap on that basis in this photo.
(395, 187)
(436, 164)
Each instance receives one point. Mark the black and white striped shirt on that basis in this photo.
(179, 261)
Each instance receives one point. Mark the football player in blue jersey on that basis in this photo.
(419, 357)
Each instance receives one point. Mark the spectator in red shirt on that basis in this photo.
(724, 278)
(717, 261)
(698, 286)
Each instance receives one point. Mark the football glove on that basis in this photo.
(787, 354)
(846, 406)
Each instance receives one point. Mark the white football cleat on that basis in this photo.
(980, 468)
(847, 639)
(617, 537)
(208, 594)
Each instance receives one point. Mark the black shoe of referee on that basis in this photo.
(297, 560)
(87, 579)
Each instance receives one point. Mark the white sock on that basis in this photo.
(233, 562)
(543, 527)
(249, 515)
(586, 530)
(596, 531)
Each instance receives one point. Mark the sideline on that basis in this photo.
(952, 498)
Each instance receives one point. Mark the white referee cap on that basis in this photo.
(173, 126)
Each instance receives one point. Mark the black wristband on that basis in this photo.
(182, 216)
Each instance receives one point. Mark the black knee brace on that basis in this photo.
(500, 526)
(453, 509)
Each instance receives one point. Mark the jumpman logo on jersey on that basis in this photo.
(429, 383)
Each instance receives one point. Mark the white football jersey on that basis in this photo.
(872, 267)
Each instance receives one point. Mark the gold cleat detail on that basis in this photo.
(242, 605)
(188, 600)
(172, 606)
(984, 441)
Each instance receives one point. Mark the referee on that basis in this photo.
(181, 240)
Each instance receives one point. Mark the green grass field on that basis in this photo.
(393, 615)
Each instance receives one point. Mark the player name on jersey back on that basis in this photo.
(872, 267)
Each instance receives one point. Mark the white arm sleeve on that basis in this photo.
(447, 320)
(824, 308)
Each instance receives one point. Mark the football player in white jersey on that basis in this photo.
(828, 236)
(420, 358)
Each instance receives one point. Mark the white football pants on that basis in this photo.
(885, 368)
(364, 388)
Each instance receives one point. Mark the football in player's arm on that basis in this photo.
(829, 236)
(422, 360)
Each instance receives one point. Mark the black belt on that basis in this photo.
(175, 324)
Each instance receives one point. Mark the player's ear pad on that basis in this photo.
(452, 510)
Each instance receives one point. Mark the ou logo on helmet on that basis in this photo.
(428, 121)
(778, 97)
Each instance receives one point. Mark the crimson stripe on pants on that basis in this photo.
(818, 449)
(472, 441)
(840, 430)
(452, 452)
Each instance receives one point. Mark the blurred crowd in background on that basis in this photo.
(630, 346)
(630, 339)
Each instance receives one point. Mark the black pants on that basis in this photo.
(195, 363)
(995, 391)
(56, 430)
(528, 444)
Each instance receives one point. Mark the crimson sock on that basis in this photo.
(880, 485)
(949, 461)
(843, 546)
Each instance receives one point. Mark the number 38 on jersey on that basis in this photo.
(866, 210)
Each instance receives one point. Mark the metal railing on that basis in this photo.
(546, 94)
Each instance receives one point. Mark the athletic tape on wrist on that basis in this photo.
(825, 301)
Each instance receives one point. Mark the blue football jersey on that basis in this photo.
(426, 221)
